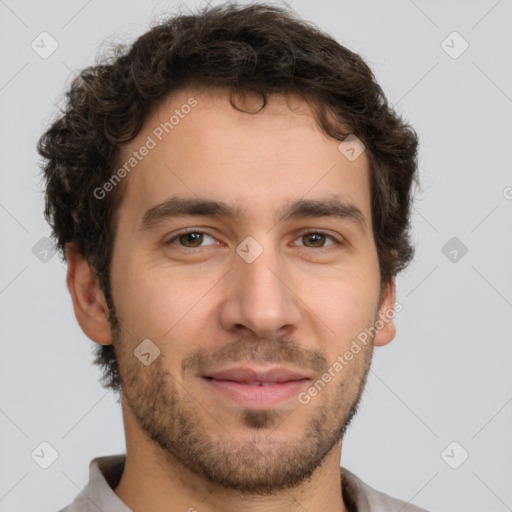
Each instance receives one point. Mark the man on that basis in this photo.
(232, 197)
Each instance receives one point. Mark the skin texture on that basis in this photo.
(299, 304)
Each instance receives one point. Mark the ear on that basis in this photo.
(89, 303)
(384, 322)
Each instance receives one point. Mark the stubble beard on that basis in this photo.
(182, 426)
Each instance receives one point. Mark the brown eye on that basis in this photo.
(190, 239)
(194, 239)
(316, 240)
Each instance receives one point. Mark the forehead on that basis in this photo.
(200, 145)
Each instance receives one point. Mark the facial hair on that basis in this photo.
(180, 424)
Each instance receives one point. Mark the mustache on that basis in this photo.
(276, 350)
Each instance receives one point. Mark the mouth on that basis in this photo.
(253, 388)
(249, 383)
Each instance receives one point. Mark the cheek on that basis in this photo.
(346, 307)
(163, 304)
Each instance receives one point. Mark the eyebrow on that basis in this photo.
(302, 208)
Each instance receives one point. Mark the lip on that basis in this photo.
(250, 374)
(256, 388)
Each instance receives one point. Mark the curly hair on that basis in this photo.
(258, 47)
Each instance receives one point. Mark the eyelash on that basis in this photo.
(316, 232)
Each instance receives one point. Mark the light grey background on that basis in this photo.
(446, 377)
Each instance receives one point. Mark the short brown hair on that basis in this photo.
(258, 47)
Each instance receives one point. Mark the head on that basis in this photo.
(285, 250)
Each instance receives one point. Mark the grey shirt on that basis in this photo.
(105, 473)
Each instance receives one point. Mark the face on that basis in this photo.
(244, 253)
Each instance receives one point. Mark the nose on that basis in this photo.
(260, 297)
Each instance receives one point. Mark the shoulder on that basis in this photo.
(80, 504)
(363, 498)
